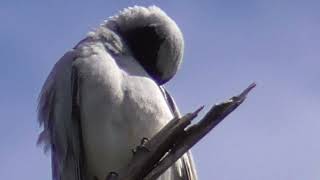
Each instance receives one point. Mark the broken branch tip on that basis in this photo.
(247, 90)
(198, 110)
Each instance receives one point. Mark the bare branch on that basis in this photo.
(155, 156)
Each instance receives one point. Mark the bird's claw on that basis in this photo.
(112, 175)
(142, 146)
(144, 141)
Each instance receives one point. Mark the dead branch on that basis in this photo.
(155, 156)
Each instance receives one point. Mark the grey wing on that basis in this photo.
(58, 113)
(185, 167)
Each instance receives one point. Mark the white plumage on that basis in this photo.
(103, 96)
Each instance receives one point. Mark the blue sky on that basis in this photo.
(274, 135)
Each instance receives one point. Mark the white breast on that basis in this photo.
(120, 105)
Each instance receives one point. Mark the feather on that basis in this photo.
(59, 116)
(185, 165)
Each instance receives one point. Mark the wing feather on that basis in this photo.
(58, 113)
(185, 165)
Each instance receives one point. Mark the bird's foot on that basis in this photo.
(142, 146)
(144, 141)
(112, 176)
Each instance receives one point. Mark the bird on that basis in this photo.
(108, 92)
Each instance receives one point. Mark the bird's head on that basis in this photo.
(153, 38)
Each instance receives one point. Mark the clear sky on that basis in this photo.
(274, 135)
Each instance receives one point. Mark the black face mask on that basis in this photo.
(145, 43)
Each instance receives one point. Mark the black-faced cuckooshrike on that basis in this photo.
(106, 94)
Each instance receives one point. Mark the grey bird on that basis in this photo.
(104, 95)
